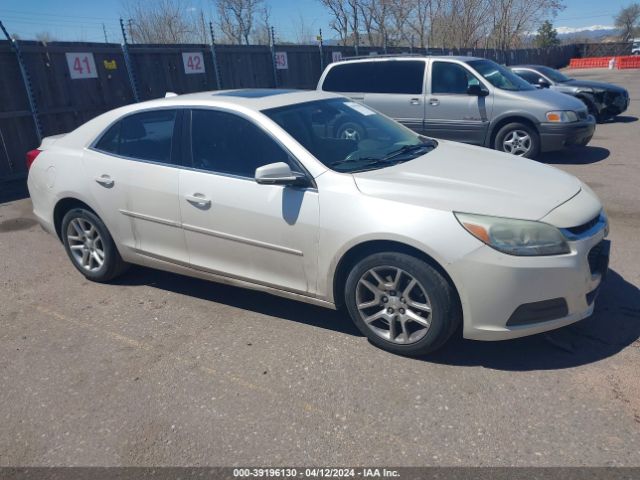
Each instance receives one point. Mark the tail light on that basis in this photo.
(31, 157)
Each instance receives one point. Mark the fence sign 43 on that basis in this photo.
(81, 65)
(193, 62)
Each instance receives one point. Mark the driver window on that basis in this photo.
(222, 142)
(451, 78)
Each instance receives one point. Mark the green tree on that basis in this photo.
(628, 20)
(547, 35)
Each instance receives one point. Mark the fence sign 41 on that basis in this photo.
(193, 62)
(81, 65)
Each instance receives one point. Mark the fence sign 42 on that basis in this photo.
(81, 65)
(193, 62)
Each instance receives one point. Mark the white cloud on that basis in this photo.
(592, 28)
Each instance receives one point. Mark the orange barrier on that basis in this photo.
(629, 61)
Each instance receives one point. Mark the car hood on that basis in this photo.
(552, 99)
(595, 85)
(464, 178)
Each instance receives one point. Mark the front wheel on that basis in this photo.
(90, 246)
(401, 303)
(518, 139)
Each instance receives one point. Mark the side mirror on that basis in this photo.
(279, 173)
(542, 83)
(477, 90)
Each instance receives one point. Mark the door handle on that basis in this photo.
(105, 181)
(434, 102)
(356, 98)
(414, 101)
(198, 199)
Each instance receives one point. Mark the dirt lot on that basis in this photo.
(160, 369)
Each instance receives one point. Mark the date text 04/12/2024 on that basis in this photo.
(315, 473)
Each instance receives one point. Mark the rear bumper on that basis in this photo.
(556, 136)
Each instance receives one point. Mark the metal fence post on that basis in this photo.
(272, 42)
(321, 50)
(128, 64)
(214, 58)
(26, 80)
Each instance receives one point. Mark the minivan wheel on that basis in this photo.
(90, 246)
(401, 303)
(351, 131)
(518, 139)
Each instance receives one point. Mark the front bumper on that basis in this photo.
(556, 136)
(506, 296)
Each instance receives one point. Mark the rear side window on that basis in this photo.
(222, 142)
(391, 76)
(144, 136)
(348, 77)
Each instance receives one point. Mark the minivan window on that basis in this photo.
(451, 78)
(226, 143)
(390, 76)
(499, 76)
(145, 136)
(323, 127)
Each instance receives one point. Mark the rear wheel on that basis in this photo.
(518, 139)
(90, 246)
(401, 303)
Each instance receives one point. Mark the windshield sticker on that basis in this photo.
(359, 108)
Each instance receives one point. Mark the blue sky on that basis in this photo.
(82, 19)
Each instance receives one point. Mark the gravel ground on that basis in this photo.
(159, 369)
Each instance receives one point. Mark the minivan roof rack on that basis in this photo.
(385, 55)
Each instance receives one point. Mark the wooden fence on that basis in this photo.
(73, 82)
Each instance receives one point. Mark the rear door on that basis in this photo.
(134, 175)
(452, 113)
(396, 88)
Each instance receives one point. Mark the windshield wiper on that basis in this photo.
(390, 157)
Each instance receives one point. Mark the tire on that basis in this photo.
(432, 299)
(87, 241)
(526, 138)
(350, 130)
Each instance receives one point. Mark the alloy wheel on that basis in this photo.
(517, 142)
(393, 304)
(85, 244)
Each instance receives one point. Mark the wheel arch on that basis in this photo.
(62, 207)
(363, 249)
(491, 138)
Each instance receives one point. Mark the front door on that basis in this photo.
(233, 226)
(452, 113)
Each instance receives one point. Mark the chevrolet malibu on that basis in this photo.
(412, 236)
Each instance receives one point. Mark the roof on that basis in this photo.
(382, 58)
(253, 98)
(527, 66)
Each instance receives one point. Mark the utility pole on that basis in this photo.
(127, 62)
(214, 57)
(104, 30)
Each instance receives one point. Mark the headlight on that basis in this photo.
(562, 116)
(515, 237)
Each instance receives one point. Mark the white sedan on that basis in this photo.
(253, 188)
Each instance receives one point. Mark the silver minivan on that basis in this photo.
(466, 99)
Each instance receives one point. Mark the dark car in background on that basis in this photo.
(604, 100)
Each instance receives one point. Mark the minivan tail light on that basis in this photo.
(31, 157)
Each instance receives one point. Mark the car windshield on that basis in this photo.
(349, 137)
(500, 76)
(553, 74)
